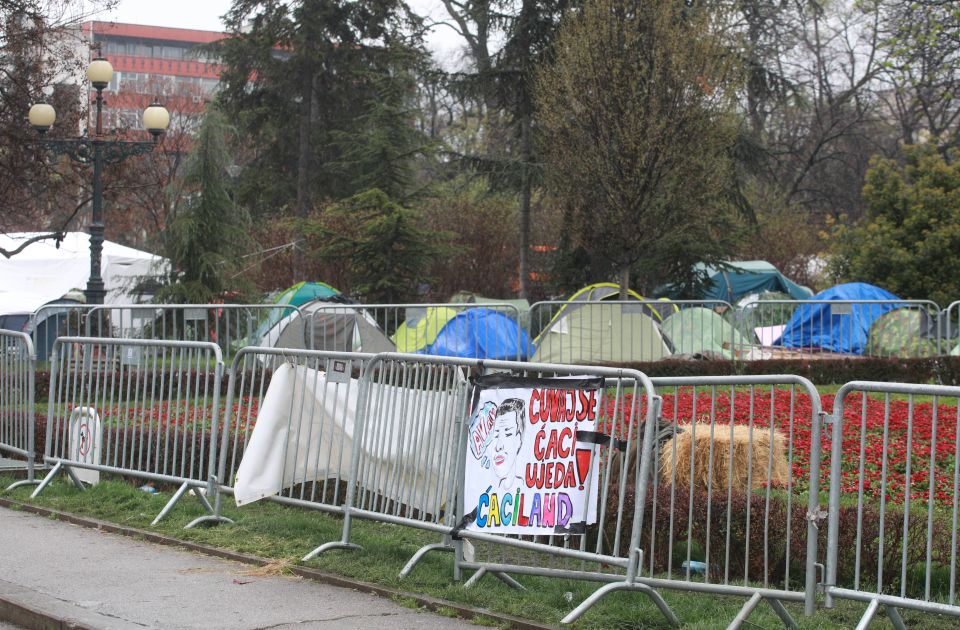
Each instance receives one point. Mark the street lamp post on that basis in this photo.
(98, 150)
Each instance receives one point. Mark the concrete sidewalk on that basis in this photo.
(74, 577)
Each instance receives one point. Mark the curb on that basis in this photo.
(33, 618)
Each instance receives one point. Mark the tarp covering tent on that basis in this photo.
(468, 297)
(481, 333)
(328, 326)
(701, 332)
(421, 329)
(43, 272)
(617, 332)
(303, 292)
(901, 333)
(296, 295)
(736, 279)
(837, 327)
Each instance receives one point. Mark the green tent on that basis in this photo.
(898, 333)
(701, 332)
(303, 292)
(616, 332)
(751, 314)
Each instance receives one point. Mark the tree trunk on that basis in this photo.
(624, 281)
(304, 198)
(525, 194)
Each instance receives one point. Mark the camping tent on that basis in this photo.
(901, 333)
(421, 328)
(43, 272)
(328, 326)
(837, 327)
(475, 333)
(702, 332)
(481, 333)
(732, 280)
(750, 313)
(617, 332)
(601, 291)
(303, 292)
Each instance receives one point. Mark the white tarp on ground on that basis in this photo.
(42, 272)
(283, 451)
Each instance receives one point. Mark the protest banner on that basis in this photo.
(526, 471)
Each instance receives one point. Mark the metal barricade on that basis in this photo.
(636, 331)
(485, 331)
(409, 469)
(403, 464)
(52, 321)
(734, 507)
(229, 326)
(142, 408)
(949, 327)
(894, 486)
(295, 412)
(17, 395)
(807, 329)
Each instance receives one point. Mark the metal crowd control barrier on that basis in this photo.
(17, 392)
(52, 321)
(635, 331)
(494, 332)
(142, 408)
(303, 404)
(949, 327)
(229, 326)
(403, 468)
(734, 508)
(844, 327)
(895, 450)
(409, 469)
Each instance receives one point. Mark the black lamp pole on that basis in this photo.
(97, 150)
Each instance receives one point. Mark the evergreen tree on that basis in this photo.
(207, 239)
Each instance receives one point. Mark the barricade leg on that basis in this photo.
(46, 480)
(868, 614)
(73, 476)
(601, 592)
(421, 552)
(343, 543)
(751, 604)
(215, 517)
(31, 480)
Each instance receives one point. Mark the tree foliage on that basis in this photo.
(382, 243)
(908, 241)
(637, 132)
(210, 235)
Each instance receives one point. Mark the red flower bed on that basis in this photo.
(889, 460)
(177, 413)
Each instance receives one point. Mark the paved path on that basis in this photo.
(100, 580)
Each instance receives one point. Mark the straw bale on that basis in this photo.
(693, 443)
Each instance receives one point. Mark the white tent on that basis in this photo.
(44, 272)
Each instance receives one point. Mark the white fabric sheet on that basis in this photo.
(305, 431)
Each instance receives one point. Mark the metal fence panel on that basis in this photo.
(894, 488)
(303, 406)
(592, 332)
(142, 408)
(17, 395)
(823, 328)
(52, 321)
(229, 326)
(734, 506)
(485, 331)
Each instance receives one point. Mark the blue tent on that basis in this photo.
(837, 327)
(481, 333)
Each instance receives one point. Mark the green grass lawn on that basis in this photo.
(284, 533)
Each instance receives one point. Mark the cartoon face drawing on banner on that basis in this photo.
(505, 442)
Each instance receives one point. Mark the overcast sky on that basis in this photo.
(205, 15)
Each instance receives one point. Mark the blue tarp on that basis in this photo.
(481, 333)
(837, 327)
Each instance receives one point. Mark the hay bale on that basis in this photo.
(693, 445)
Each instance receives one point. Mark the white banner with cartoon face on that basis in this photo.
(526, 472)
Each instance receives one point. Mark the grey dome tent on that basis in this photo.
(329, 326)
